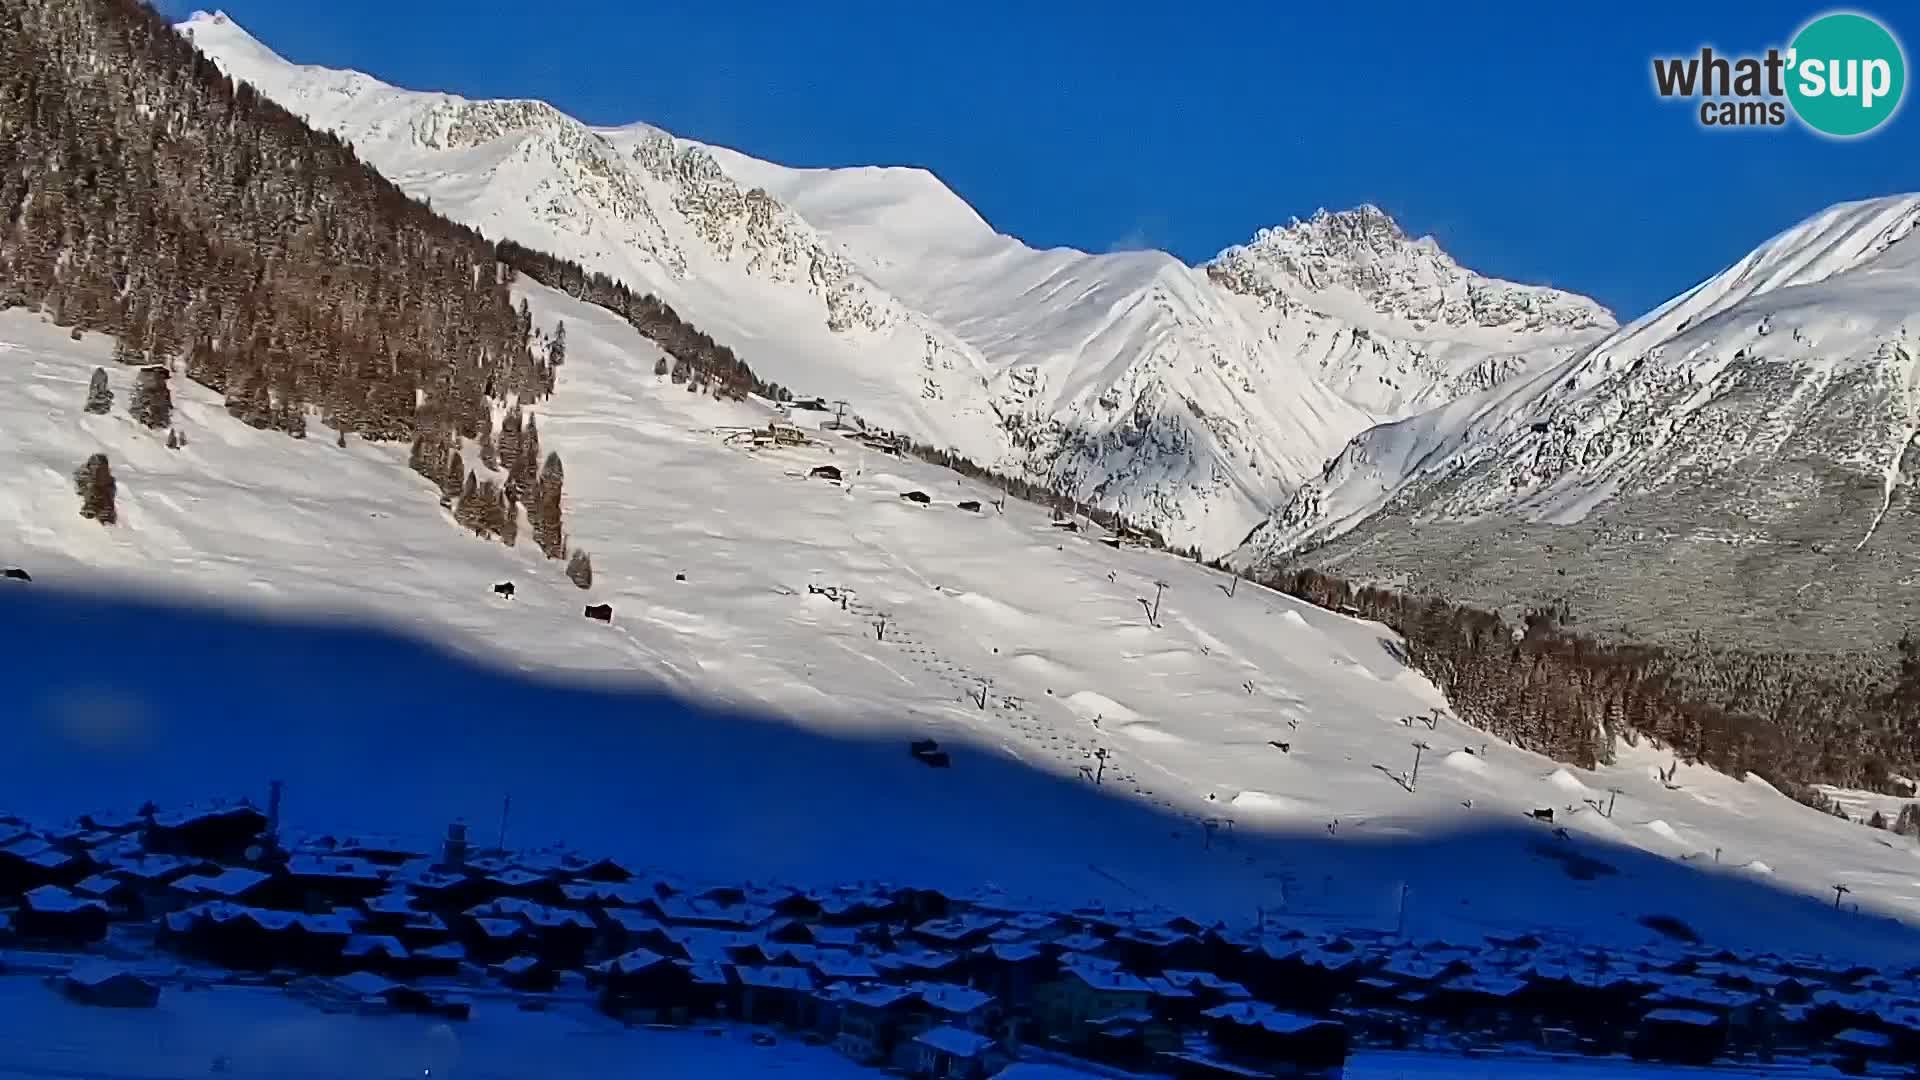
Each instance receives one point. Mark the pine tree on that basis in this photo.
(452, 474)
(548, 532)
(1908, 823)
(580, 569)
(99, 392)
(557, 350)
(487, 456)
(660, 366)
(95, 485)
(468, 511)
(152, 402)
(173, 439)
(508, 447)
(522, 481)
(509, 520)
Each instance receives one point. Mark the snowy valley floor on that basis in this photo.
(271, 608)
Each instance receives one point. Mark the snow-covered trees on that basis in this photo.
(99, 392)
(95, 485)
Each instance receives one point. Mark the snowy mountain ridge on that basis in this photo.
(1195, 400)
(1776, 403)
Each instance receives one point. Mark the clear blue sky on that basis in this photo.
(1526, 138)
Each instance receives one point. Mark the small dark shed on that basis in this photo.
(919, 497)
(971, 506)
(824, 472)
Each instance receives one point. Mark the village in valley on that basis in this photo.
(121, 910)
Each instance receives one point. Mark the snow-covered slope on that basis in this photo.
(1771, 410)
(1193, 400)
(1250, 707)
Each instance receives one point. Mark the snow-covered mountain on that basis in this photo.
(1192, 399)
(1753, 440)
(1023, 649)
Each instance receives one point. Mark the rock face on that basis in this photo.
(1741, 461)
(1193, 400)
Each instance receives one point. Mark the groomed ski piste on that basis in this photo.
(268, 609)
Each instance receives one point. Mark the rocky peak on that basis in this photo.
(1365, 252)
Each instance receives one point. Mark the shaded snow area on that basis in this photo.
(256, 1033)
(278, 609)
(265, 1034)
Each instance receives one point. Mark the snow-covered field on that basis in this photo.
(371, 729)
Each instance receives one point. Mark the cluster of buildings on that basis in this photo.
(931, 984)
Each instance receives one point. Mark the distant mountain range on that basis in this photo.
(1194, 400)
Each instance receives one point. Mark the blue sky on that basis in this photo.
(1526, 139)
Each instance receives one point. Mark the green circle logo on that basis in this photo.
(1847, 75)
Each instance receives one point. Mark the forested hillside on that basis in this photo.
(1551, 689)
(146, 196)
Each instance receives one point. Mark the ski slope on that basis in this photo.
(814, 786)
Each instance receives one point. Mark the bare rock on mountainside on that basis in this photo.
(1740, 465)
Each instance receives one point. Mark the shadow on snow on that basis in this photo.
(113, 700)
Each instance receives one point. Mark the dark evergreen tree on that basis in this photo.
(152, 402)
(1908, 823)
(509, 520)
(580, 569)
(95, 485)
(660, 366)
(173, 439)
(528, 465)
(508, 450)
(545, 509)
(99, 392)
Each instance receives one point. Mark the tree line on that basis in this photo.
(145, 195)
(1795, 721)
